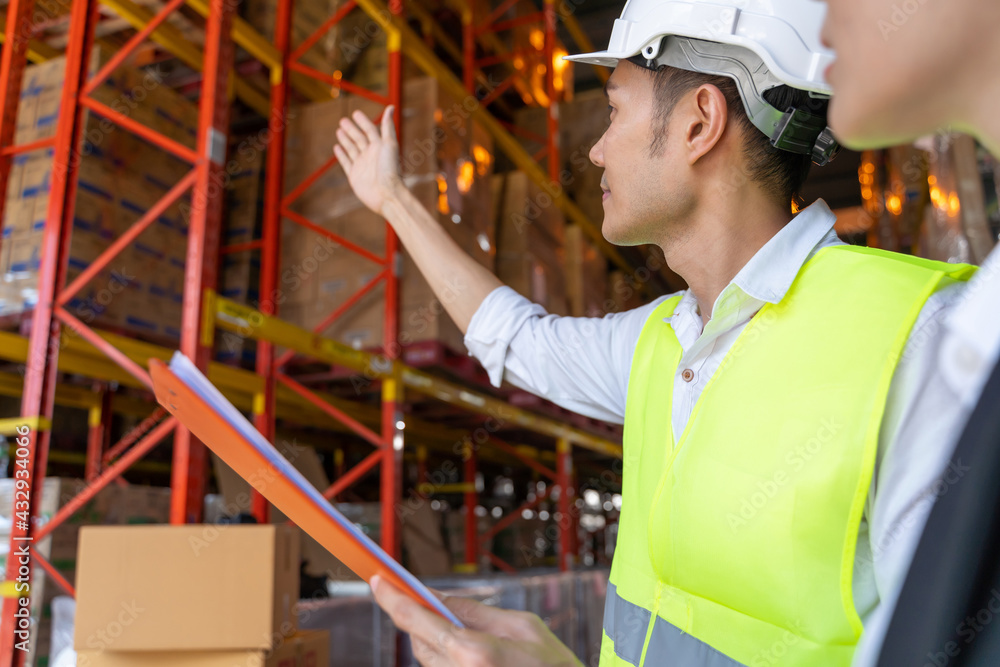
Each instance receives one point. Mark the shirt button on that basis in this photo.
(688, 375)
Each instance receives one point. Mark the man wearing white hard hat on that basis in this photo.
(769, 503)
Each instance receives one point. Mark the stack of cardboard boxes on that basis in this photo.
(113, 505)
(581, 124)
(424, 550)
(239, 272)
(211, 596)
(586, 276)
(356, 46)
(120, 178)
(447, 162)
(530, 235)
(308, 15)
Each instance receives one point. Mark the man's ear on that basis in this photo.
(707, 117)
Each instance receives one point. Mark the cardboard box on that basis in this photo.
(312, 648)
(308, 648)
(112, 505)
(531, 257)
(586, 276)
(424, 550)
(196, 587)
(582, 122)
(540, 280)
(522, 204)
(623, 293)
(307, 17)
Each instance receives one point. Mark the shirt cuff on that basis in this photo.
(494, 325)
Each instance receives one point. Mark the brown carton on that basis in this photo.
(309, 648)
(196, 587)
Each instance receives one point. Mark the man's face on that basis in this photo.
(902, 66)
(637, 190)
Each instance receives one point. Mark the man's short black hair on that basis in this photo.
(779, 172)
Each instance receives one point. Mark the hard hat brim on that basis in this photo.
(601, 58)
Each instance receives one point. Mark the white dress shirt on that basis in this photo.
(962, 346)
(583, 365)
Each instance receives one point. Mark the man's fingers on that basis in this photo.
(342, 157)
(408, 615)
(388, 129)
(478, 616)
(366, 125)
(427, 654)
(348, 144)
(359, 138)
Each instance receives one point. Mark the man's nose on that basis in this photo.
(597, 152)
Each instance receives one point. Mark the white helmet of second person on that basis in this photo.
(760, 44)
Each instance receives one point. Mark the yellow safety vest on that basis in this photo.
(736, 544)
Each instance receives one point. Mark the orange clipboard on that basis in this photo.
(278, 481)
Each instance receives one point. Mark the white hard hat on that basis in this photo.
(760, 44)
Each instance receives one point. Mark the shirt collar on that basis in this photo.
(769, 274)
(766, 278)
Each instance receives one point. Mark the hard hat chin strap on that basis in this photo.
(794, 130)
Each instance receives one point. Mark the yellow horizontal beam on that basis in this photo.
(80, 458)
(253, 324)
(16, 425)
(38, 52)
(428, 489)
(78, 357)
(173, 40)
(82, 398)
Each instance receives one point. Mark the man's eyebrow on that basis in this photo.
(609, 86)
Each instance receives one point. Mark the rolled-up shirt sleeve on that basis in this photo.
(579, 363)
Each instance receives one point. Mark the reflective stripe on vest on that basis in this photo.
(736, 544)
(664, 640)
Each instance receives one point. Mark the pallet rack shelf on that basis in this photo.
(59, 343)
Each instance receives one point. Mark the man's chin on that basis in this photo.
(869, 124)
(616, 233)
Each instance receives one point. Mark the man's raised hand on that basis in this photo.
(370, 158)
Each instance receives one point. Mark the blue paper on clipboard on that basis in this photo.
(189, 374)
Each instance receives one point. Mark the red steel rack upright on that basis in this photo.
(472, 28)
(388, 444)
(50, 315)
